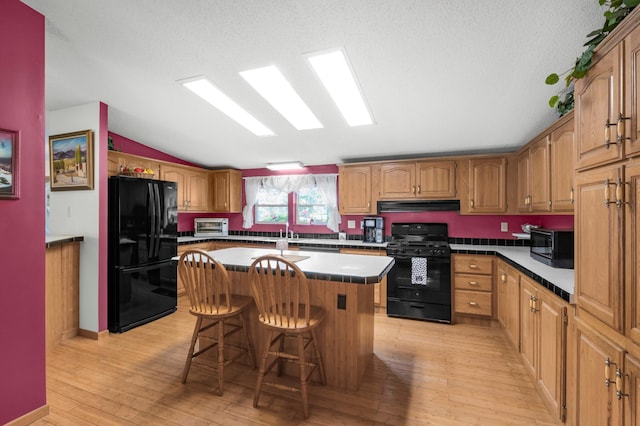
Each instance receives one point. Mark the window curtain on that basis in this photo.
(326, 184)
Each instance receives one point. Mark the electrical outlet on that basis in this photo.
(362, 224)
(504, 226)
(342, 301)
(351, 224)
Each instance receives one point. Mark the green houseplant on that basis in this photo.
(616, 11)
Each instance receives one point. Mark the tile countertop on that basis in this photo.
(351, 268)
(558, 280)
(292, 241)
(53, 240)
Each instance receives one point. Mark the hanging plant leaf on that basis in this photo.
(552, 79)
(553, 101)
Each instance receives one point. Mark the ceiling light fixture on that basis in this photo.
(204, 88)
(335, 72)
(292, 165)
(271, 85)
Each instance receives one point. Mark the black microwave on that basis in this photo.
(553, 247)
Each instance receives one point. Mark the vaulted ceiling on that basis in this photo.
(440, 77)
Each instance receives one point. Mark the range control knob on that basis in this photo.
(417, 251)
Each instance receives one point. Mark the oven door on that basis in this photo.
(416, 279)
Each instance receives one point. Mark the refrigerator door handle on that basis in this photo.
(158, 218)
(151, 210)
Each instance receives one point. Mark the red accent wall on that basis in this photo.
(22, 263)
(130, 146)
(464, 226)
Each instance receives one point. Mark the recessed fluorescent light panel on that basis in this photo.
(336, 74)
(271, 84)
(285, 166)
(204, 88)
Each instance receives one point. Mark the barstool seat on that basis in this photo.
(281, 293)
(207, 284)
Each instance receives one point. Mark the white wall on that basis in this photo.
(76, 212)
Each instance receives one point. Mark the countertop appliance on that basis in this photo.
(553, 247)
(419, 284)
(373, 229)
(143, 237)
(211, 227)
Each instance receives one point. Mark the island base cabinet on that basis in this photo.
(62, 292)
(345, 336)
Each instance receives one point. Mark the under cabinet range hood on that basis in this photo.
(418, 206)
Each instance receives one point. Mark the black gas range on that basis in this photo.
(419, 284)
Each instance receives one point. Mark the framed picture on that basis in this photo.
(9, 177)
(71, 161)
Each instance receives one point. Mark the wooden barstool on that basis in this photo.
(281, 292)
(207, 284)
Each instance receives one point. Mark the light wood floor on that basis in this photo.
(422, 373)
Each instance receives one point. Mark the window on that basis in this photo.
(272, 207)
(310, 207)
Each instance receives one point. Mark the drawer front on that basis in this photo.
(472, 264)
(473, 282)
(473, 302)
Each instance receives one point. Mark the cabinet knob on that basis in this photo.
(473, 303)
(473, 266)
(475, 283)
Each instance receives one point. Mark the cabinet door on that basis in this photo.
(551, 366)
(198, 190)
(632, 250)
(540, 187)
(597, 100)
(354, 189)
(436, 179)
(632, 388)
(487, 185)
(175, 174)
(595, 402)
(509, 302)
(598, 246)
(562, 168)
(220, 192)
(632, 92)
(397, 180)
(529, 333)
(524, 181)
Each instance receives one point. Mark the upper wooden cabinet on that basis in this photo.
(487, 185)
(227, 191)
(598, 106)
(354, 189)
(562, 147)
(193, 187)
(524, 180)
(545, 170)
(417, 180)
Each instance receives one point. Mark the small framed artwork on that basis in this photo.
(9, 177)
(71, 161)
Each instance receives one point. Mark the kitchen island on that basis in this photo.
(342, 284)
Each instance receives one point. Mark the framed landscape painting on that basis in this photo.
(71, 161)
(9, 164)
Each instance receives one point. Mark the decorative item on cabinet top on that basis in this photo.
(136, 171)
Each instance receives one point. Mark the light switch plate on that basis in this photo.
(351, 224)
(504, 226)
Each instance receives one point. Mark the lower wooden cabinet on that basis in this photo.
(62, 286)
(596, 402)
(472, 287)
(508, 312)
(543, 342)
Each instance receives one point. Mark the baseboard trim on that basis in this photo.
(30, 417)
(92, 334)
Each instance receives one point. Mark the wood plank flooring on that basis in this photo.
(422, 373)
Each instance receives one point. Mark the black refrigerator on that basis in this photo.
(143, 237)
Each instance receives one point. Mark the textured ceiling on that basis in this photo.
(440, 77)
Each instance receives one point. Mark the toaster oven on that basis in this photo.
(211, 227)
